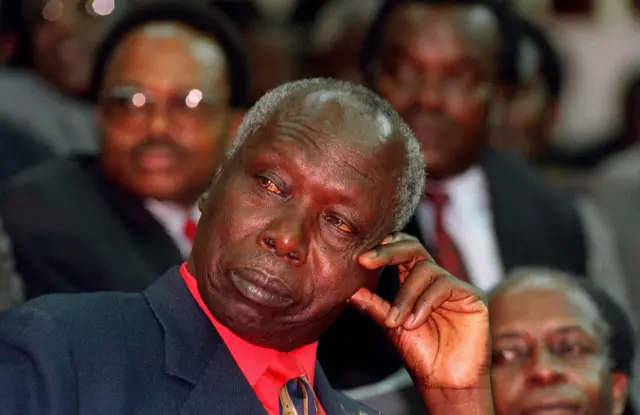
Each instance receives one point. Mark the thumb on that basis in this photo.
(371, 304)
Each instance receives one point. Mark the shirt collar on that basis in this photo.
(252, 360)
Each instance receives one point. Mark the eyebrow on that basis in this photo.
(509, 335)
(571, 329)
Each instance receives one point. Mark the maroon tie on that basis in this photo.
(447, 254)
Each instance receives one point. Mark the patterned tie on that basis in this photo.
(447, 254)
(297, 398)
(189, 229)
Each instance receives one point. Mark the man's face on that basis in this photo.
(164, 112)
(436, 68)
(276, 253)
(549, 353)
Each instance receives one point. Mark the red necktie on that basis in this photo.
(190, 229)
(447, 254)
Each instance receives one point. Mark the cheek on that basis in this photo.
(592, 378)
(119, 140)
(471, 114)
(398, 99)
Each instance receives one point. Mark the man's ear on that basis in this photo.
(619, 386)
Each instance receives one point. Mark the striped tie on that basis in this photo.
(297, 398)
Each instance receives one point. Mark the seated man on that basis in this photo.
(289, 236)
(167, 80)
(561, 345)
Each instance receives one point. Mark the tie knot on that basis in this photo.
(436, 195)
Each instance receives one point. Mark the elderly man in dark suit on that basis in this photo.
(288, 238)
(167, 80)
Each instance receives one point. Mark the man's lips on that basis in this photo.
(262, 289)
(552, 408)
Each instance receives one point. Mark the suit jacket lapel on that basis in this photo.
(147, 234)
(505, 212)
(326, 395)
(195, 353)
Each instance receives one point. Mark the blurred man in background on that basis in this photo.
(50, 46)
(560, 345)
(166, 81)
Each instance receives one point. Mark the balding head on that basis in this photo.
(343, 107)
(320, 173)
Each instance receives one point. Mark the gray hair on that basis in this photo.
(411, 185)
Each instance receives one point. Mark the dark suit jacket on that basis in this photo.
(73, 230)
(129, 354)
(535, 225)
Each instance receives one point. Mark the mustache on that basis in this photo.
(160, 143)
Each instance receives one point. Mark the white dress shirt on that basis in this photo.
(469, 222)
(173, 218)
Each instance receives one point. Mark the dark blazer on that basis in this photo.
(129, 354)
(535, 225)
(73, 230)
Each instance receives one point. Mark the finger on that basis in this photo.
(371, 305)
(395, 253)
(443, 288)
(415, 285)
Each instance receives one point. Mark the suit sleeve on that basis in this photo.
(37, 374)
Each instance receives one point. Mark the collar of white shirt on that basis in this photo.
(173, 217)
(469, 221)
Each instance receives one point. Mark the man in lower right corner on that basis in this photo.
(560, 345)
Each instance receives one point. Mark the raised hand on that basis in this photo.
(439, 324)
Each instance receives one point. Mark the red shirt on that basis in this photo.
(253, 360)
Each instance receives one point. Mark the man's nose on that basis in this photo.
(546, 369)
(158, 120)
(430, 93)
(286, 237)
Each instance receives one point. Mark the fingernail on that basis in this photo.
(393, 316)
(410, 320)
(370, 254)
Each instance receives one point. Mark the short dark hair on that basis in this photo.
(203, 19)
(508, 28)
(550, 66)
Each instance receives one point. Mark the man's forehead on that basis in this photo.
(549, 302)
(476, 25)
(338, 113)
(204, 50)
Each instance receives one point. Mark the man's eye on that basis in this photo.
(505, 356)
(572, 349)
(268, 184)
(338, 223)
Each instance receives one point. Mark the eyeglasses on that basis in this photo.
(133, 108)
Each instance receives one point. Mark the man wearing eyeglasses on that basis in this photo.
(167, 80)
